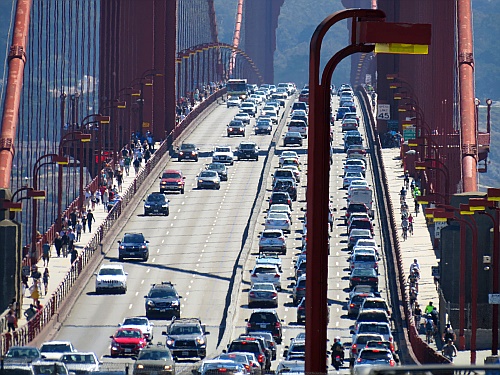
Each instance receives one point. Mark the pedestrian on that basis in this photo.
(407, 180)
(435, 317)
(90, 219)
(94, 199)
(84, 221)
(449, 350)
(65, 244)
(417, 312)
(73, 217)
(35, 292)
(78, 229)
(448, 333)
(429, 308)
(38, 306)
(105, 199)
(74, 255)
(11, 321)
(330, 220)
(30, 312)
(119, 180)
(46, 253)
(45, 279)
(72, 239)
(35, 274)
(88, 196)
(137, 165)
(147, 155)
(58, 244)
(127, 160)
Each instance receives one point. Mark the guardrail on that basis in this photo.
(26, 333)
(414, 346)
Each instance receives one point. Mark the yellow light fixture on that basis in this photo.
(440, 219)
(420, 167)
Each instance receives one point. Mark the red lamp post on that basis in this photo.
(431, 164)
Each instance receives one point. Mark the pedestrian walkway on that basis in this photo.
(418, 246)
(60, 266)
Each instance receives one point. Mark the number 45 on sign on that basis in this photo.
(383, 111)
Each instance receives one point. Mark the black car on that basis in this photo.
(269, 341)
(355, 302)
(367, 276)
(280, 197)
(133, 245)
(187, 151)
(287, 185)
(263, 343)
(247, 150)
(251, 345)
(163, 301)
(220, 168)
(186, 338)
(236, 127)
(263, 127)
(292, 138)
(156, 203)
(267, 321)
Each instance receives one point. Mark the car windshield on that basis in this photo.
(55, 348)
(375, 305)
(188, 147)
(208, 174)
(171, 175)
(375, 355)
(222, 149)
(263, 286)
(78, 358)
(364, 258)
(155, 355)
(156, 198)
(271, 234)
(161, 293)
(216, 167)
(363, 339)
(133, 238)
(261, 317)
(111, 271)
(364, 272)
(135, 321)
(185, 330)
(22, 353)
(263, 123)
(131, 333)
(245, 346)
(247, 146)
(264, 270)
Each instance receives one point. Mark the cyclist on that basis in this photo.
(417, 207)
(410, 224)
(415, 266)
(407, 179)
(404, 225)
(417, 312)
(402, 194)
(429, 308)
(449, 350)
(429, 328)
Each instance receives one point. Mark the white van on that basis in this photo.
(362, 195)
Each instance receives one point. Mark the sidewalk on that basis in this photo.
(419, 246)
(60, 266)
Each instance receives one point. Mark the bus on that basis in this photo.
(237, 87)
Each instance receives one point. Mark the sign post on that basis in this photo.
(383, 111)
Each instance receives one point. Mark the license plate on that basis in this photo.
(263, 325)
(128, 350)
(185, 353)
(156, 210)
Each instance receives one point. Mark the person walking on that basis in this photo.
(58, 243)
(417, 313)
(78, 229)
(30, 312)
(74, 255)
(11, 321)
(127, 161)
(137, 165)
(330, 220)
(429, 308)
(35, 292)
(119, 180)
(90, 220)
(88, 196)
(65, 243)
(94, 199)
(45, 280)
(84, 221)
(105, 199)
(46, 253)
(73, 217)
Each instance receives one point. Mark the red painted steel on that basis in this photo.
(467, 96)
(236, 37)
(14, 85)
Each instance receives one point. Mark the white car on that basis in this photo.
(282, 90)
(223, 154)
(272, 240)
(283, 208)
(111, 277)
(295, 170)
(272, 114)
(243, 117)
(287, 155)
(141, 323)
(278, 220)
(81, 363)
(233, 102)
(357, 183)
(53, 350)
(266, 273)
(257, 98)
(351, 176)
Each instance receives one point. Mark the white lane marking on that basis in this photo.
(189, 286)
(172, 224)
(136, 294)
(182, 306)
(197, 264)
(153, 260)
(129, 306)
(187, 293)
(142, 281)
(167, 235)
(158, 251)
(163, 241)
(182, 202)
(179, 210)
(175, 217)
(147, 271)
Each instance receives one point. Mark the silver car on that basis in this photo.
(81, 363)
(266, 273)
(208, 179)
(272, 240)
(278, 220)
(351, 176)
(261, 294)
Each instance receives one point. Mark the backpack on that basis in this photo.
(449, 334)
(429, 325)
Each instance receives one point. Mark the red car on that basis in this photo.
(127, 341)
(172, 180)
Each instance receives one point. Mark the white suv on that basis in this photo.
(111, 277)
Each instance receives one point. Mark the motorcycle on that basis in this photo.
(337, 361)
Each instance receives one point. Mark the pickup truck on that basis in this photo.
(298, 126)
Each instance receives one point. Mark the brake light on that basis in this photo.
(352, 305)
(254, 275)
(356, 279)
(261, 358)
(274, 294)
(301, 289)
(277, 275)
(252, 294)
(278, 325)
(392, 363)
(223, 369)
(247, 367)
(354, 348)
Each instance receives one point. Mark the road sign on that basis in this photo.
(409, 132)
(494, 299)
(383, 111)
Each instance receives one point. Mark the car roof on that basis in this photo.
(114, 266)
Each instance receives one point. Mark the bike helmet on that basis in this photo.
(337, 339)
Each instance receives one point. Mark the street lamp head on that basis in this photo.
(477, 101)
(61, 160)
(489, 102)
(36, 194)
(391, 77)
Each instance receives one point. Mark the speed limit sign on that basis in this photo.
(383, 111)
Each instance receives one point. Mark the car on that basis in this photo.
(223, 154)
(243, 117)
(81, 362)
(220, 168)
(141, 323)
(299, 289)
(364, 289)
(381, 345)
(187, 151)
(295, 170)
(355, 165)
(355, 301)
(154, 360)
(360, 250)
(377, 316)
(280, 197)
(269, 258)
(235, 127)
(351, 176)
(47, 367)
(247, 150)
(363, 243)
(233, 101)
(156, 203)
(275, 104)
(127, 341)
(356, 234)
(53, 350)
(208, 179)
(301, 311)
(300, 268)
(380, 328)
(299, 126)
(290, 367)
(361, 223)
(341, 111)
(282, 173)
(271, 112)
(376, 303)
(187, 338)
(269, 340)
(243, 359)
(262, 93)
(359, 342)
(355, 207)
(251, 345)
(356, 150)
(287, 154)
(21, 355)
(263, 127)
(266, 273)
(281, 208)
(357, 184)
(363, 276)
(278, 220)
(133, 246)
(304, 96)
(299, 116)
(272, 240)
(110, 277)
(370, 357)
(266, 345)
(280, 98)
(287, 185)
(172, 180)
(357, 215)
(298, 112)
(292, 138)
(352, 140)
(296, 351)
(266, 320)
(163, 301)
(248, 107)
(262, 294)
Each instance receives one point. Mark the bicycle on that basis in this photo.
(410, 228)
(429, 334)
